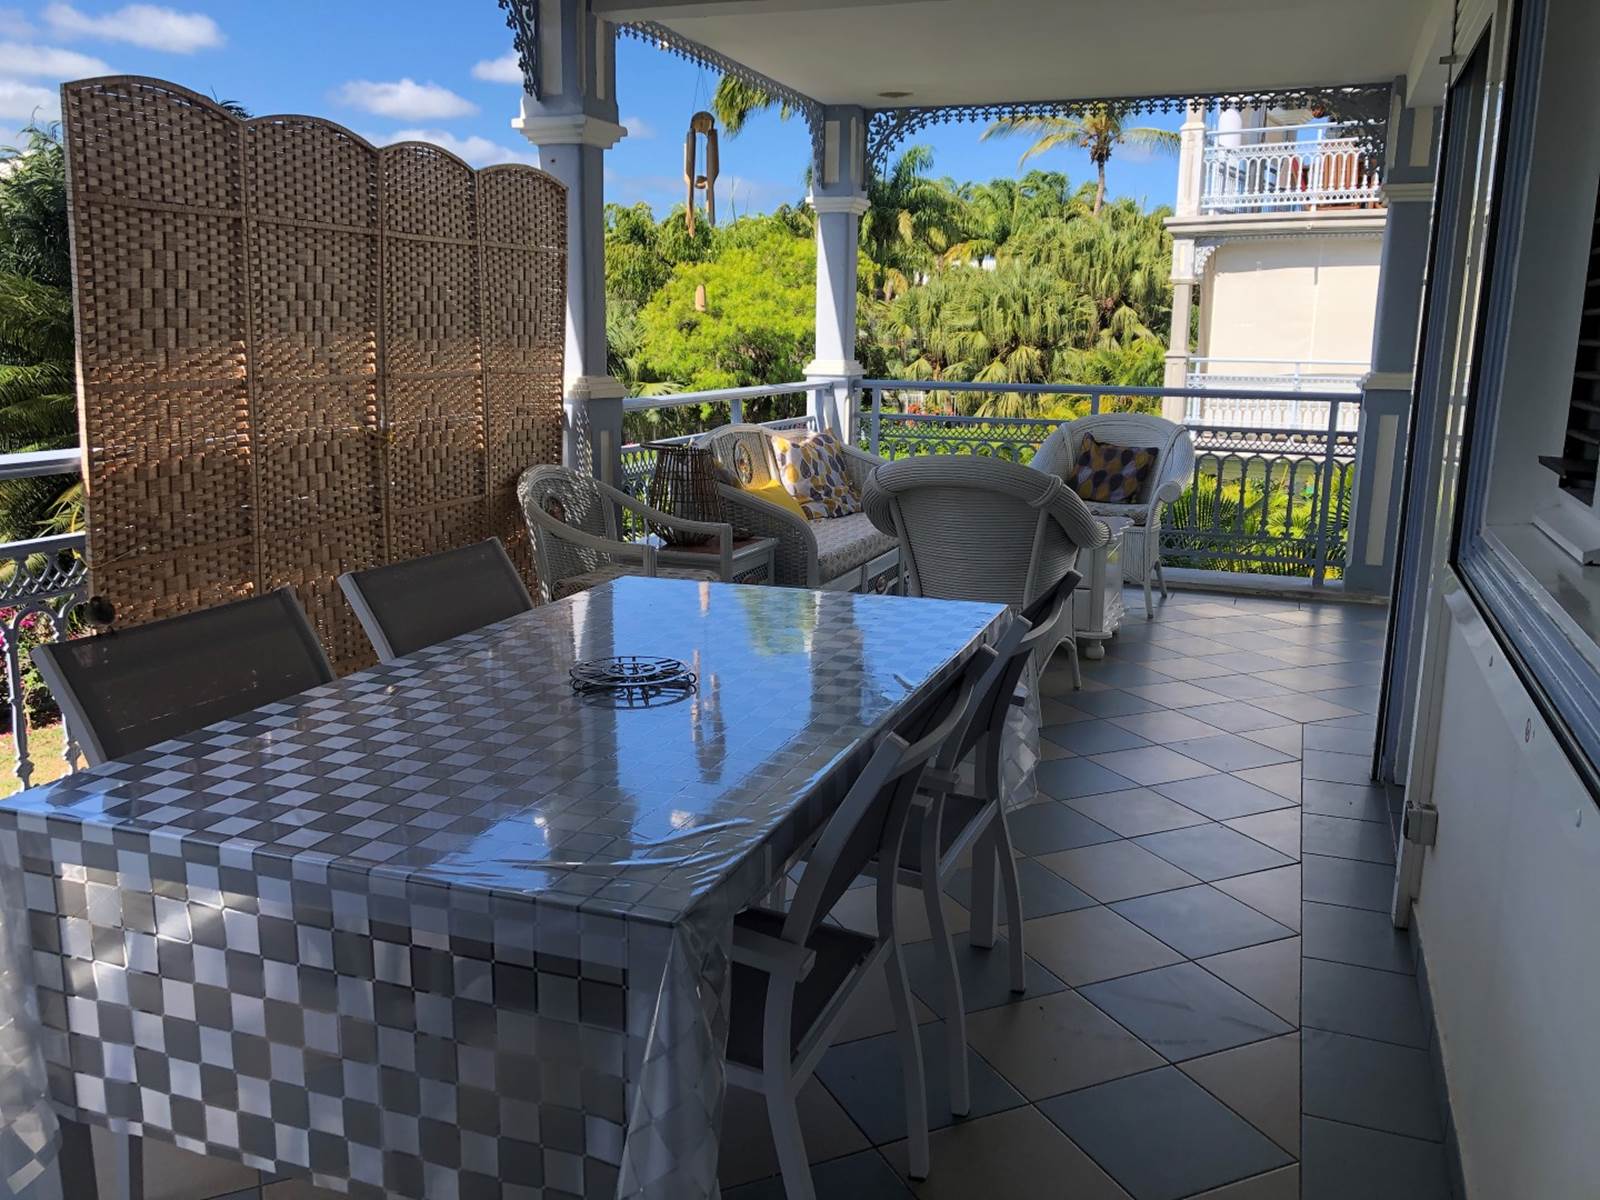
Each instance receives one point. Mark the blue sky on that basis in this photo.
(420, 68)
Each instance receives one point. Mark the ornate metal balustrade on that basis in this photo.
(1216, 380)
(1265, 501)
(42, 582)
(1298, 169)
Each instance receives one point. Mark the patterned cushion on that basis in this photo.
(814, 473)
(774, 492)
(1111, 474)
(848, 543)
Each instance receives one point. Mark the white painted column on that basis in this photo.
(573, 121)
(839, 198)
(1386, 390)
(1191, 174)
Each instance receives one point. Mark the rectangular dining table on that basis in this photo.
(442, 928)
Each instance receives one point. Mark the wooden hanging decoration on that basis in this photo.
(700, 123)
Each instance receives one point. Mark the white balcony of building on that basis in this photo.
(1288, 168)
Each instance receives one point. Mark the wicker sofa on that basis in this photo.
(1141, 540)
(840, 553)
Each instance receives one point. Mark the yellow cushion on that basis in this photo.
(1109, 474)
(773, 493)
(813, 472)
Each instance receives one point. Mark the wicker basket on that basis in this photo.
(684, 485)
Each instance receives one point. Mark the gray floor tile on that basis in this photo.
(1377, 1085)
(1365, 1003)
(1333, 767)
(1093, 944)
(1064, 778)
(1339, 740)
(1283, 779)
(1197, 921)
(858, 909)
(1175, 694)
(1245, 687)
(1275, 892)
(1361, 699)
(1118, 871)
(1230, 752)
(1125, 674)
(864, 1077)
(1355, 936)
(863, 1176)
(1340, 837)
(1016, 1155)
(1286, 739)
(1045, 1045)
(1043, 891)
(747, 1151)
(1184, 1011)
(1111, 703)
(1049, 826)
(1279, 829)
(1212, 851)
(1236, 716)
(1349, 882)
(1164, 726)
(1222, 796)
(1305, 708)
(1151, 765)
(1269, 974)
(1260, 1082)
(1092, 737)
(1282, 1184)
(1358, 801)
(1341, 1162)
(1135, 812)
(1190, 670)
(985, 974)
(1162, 1136)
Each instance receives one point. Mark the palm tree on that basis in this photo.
(1099, 131)
(910, 222)
(736, 101)
(38, 400)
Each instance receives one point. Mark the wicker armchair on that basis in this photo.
(840, 553)
(1141, 539)
(573, 520)
(974, 528)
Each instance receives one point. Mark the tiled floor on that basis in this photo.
(1218, 1005)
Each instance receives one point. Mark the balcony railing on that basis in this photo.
(42, 581)
(1287, 168)
(1219, 380)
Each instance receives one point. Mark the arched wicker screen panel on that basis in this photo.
(300, 354)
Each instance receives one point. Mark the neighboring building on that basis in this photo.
(1277, 237)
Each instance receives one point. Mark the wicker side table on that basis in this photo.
(1097, 606)
(754, 558)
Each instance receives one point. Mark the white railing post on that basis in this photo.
(875, 430)
(736, 411)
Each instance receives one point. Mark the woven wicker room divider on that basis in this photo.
(299, 354)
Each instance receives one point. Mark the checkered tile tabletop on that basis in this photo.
(441, 929)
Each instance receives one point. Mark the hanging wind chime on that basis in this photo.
(705, 181)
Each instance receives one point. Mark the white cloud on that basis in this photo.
(28, 102)
(147, 25)
(499, 70)
(638, 128)
(14, 23)
(48, 62)
(479, 151)
(405, 100)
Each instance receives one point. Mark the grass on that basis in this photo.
(46, 744)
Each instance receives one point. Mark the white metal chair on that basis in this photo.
(577, 542)
(973, 528)
(124, 691)
(793, 975)
(1174, 447)
(962, 809)
(405, 606)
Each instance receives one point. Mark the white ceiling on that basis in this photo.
(973, 51)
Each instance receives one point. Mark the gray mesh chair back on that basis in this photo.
(122, 692)
(405, 606)
(975, 528)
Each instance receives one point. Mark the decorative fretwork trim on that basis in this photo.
(522, 18)
(1363, 110)
(703, 56)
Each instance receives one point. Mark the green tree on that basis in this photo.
(38, 393)
(911, 221)
(1099, 131)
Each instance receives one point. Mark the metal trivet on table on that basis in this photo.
(632, 680)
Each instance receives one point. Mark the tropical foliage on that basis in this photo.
(1099, 132)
